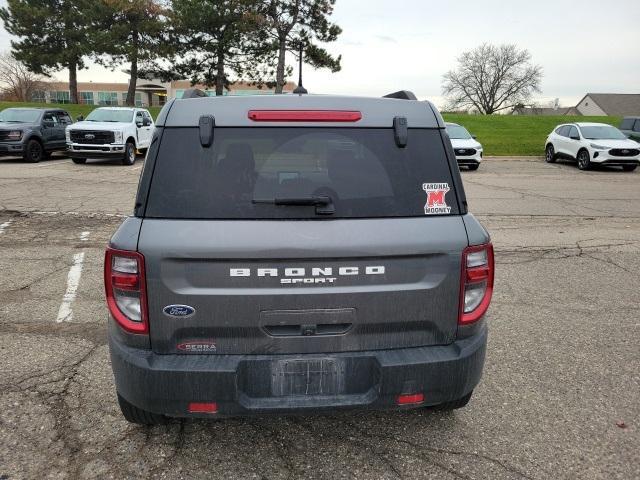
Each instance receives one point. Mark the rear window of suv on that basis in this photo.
(362, 171)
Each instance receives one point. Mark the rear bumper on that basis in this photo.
(95, 151)
(245, 384)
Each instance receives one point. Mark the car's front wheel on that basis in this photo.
(584, 160)
(134, 414)
(629, 168)
(34, 151)
(550, 154)
(129, 154)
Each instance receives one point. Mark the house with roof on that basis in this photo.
(610, 104)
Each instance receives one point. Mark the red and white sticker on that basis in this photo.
(436, 198)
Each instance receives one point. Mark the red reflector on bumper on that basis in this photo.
(196, 407)
(411, 399)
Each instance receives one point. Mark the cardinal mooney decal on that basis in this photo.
(436, 198)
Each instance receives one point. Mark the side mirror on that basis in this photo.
(146, 122)
(79, 118)
(139, 124)
(474, 137)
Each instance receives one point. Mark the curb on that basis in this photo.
(517, 158)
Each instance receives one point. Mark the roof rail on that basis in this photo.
(402, 95)
(193, 93)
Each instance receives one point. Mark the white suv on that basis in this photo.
(592, 143)
(110, 132)
(467, 149)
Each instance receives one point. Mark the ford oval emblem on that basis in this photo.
(179, 311)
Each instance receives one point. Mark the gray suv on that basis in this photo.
(630, 126)
(297, 253)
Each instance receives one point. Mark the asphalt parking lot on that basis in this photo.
(560, 397)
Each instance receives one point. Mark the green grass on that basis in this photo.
(74, 110)
(499, 134)
(516, 134)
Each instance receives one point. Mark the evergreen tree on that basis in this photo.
(291, 24)
(52, 35)
(128, 31)
(211, 41)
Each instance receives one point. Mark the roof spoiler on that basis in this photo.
(402, 95)
(193, 93)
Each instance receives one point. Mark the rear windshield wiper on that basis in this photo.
(324, 204)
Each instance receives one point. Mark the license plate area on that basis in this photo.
(323, 376)
(315, 376)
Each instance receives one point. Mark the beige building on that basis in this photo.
(148, 92)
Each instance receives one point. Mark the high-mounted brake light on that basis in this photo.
(476, 283)
(125, 288)
(304, 116)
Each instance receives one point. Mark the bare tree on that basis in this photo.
(16, 81)
(491, 78)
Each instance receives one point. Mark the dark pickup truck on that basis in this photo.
(32, 133)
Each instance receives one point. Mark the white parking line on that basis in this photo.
(65, 314)
(84, 236)
(3, 226)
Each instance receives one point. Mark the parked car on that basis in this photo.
(110, 133)
(467, 149)
(32, 133)
(592, 143)
(630, 126)
(270, 268)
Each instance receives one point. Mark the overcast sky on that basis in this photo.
(583, 45)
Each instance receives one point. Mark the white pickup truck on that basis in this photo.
(111, 133)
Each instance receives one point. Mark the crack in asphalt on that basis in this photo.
(508, 468)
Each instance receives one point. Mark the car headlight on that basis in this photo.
(14, 135)
(598, 147)
(67, 135)
(118, 137)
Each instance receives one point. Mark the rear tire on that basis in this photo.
(138, 416)
(454, 405)
(34, 151)
(129, 154)
(584, 160)
(550, 154)
(629, 168)
(79, 161)
(473, 167)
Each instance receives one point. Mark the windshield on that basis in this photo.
(300, 173)
(19, 115)
(109, 115)
(602, 132)
(458, 133)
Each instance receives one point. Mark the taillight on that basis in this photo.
(126, 289)
(476, 283)
(304, 116)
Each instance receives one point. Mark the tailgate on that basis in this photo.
(320, 286)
